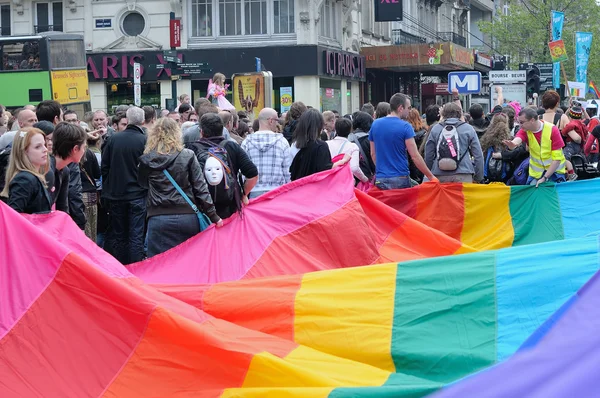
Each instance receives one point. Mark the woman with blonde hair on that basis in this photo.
(26, 187)
(177, 190)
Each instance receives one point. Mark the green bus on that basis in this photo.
(49, 65)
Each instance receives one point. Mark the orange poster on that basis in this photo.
(249, 93)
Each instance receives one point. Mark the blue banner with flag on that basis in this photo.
(583, 45)
(558, 20)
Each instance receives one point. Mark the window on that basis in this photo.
(255, 17)
(67, 54)
(367, 22)
(5, 20)
(49, 17)
(329, 24)
(133, 24)
(241, 17)
(230, 17)
(20, 55)
(283, 21)
(202, 18)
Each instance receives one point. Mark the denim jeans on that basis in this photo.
(127, 220)
(392, 183)
(169, 230)
(557, 178)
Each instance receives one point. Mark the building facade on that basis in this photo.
(311, 46)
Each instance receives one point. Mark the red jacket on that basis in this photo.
(577, 126)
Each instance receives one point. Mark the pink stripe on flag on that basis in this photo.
(24, 273)
(228, 253)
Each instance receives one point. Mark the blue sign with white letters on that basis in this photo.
(465, 82)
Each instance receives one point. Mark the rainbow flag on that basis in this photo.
(495, 216)
(593, 89)
(296, 317)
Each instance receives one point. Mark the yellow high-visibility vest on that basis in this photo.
(541, 156)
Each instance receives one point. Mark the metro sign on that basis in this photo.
(464, 82)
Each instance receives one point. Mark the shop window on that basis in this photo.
(331, 95)
(283, 21)
(122, 94)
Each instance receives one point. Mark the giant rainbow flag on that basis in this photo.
(327, 293)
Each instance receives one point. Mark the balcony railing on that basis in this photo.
(48, 28)
(453, 37)
(400, 37)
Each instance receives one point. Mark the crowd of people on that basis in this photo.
(139, 183)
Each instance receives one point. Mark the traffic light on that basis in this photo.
(533, 80)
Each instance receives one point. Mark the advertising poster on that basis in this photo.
(70, 86)
(249, 93)
(285, 98)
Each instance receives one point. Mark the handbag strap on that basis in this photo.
(342, 147)
(183, 194)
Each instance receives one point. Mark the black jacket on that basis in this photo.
(76, 206)
(120, 160)
(312, 159)
(240, 163)
(58, 186)
(163, 197)
(90, 172)
(27, 194)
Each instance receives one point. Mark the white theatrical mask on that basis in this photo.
(213, 171)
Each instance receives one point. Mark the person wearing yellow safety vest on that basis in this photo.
(546, 158)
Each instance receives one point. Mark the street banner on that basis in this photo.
(558, 19)
(583, 45)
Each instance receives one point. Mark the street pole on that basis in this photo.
(173, 82)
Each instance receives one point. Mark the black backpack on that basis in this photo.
(228, 190)
(495, 170)
(366, 162)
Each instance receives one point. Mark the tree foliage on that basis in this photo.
(524, 33)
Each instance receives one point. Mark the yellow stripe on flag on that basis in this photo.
(354, 322)
(487, 222)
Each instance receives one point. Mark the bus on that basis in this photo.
(46, 66)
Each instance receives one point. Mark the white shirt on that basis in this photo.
(341, 145)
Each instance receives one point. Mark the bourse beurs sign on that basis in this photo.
(344, 64)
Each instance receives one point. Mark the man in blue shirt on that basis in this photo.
(391, 137)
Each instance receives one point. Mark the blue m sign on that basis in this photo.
(465, 82)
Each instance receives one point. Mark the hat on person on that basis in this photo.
(46, 127)
(575, 112)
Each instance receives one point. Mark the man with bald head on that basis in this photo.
(27, 118)
(270, 152)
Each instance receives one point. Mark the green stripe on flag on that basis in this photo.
(536, 215)
(445, 317)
